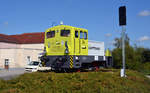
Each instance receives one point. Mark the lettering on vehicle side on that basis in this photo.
(95, 48)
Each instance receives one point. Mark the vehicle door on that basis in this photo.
(76, 43)
(50, 41)
(83, 43)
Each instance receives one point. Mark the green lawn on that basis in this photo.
(79, 82)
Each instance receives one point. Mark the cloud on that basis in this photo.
(108, 35)
(144, 38)
(144, 13)
(6, 23)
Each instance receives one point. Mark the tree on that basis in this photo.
(132, 58)
(137, 58)
(146, 55)
(118, 41)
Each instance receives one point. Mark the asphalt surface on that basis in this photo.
(14, 72)
(11, 73)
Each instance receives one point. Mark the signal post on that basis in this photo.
(122, 23)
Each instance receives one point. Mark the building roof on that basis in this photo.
(26, 38)
(7, 38)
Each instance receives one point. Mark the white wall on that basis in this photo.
(32, 46)
(7, 54)
(9, 45)
(96, 48)
(18, 55)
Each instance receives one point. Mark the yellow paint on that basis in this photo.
(56, 44)
(107, 53)
(71, 61)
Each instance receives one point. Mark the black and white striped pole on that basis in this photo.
(122, 23)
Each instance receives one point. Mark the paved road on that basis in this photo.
(11, 73)
(14, 72)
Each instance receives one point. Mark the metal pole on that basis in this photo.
(123, 49)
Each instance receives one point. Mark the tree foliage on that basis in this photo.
(135, 57)
(118, 41)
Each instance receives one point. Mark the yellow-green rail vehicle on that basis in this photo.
(66, 47)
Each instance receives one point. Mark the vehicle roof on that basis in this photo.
(65, 26)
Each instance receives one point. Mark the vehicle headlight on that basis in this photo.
(77, 58)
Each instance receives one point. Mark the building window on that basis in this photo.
(28, 59)
(6, 62)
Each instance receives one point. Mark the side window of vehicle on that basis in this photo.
(50, 34)
(85, 35)
(65, 33)
(76, 34)
(81, 35)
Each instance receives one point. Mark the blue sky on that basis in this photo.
(100, 17)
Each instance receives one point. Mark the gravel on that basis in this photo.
(11, 73)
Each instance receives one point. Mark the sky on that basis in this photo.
(100, 17)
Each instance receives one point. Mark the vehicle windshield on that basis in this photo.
(65, 33)
(50, 34)
(34, 63)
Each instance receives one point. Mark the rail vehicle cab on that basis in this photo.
(66, 40)
(66, 47)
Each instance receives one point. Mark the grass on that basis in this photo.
(81, 82)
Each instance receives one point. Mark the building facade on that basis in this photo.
(16, 51)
